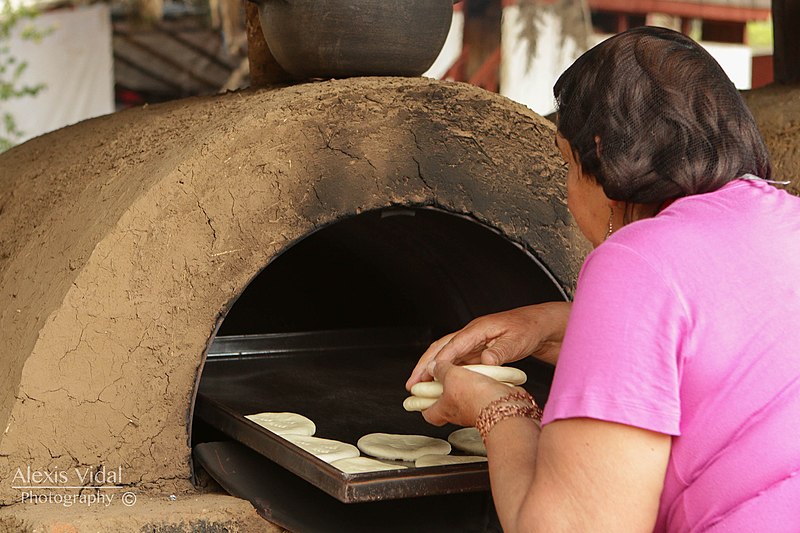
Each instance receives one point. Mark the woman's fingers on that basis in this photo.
(439, 370)
(465, 394)
(420, 371)
(466, 343)
(500, 338)
(433, 414)
(440, 412)
(500, 351)
(465, 346)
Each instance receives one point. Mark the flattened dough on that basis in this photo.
(438, 460)
(357, 465)
(467, 440)
(284, 423)
(427, 389)
(326, 449)
(507, 374)
(416, 403)
(402, 447)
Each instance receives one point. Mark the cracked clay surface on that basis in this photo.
(124, 240)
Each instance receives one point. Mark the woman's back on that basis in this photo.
(686, 324)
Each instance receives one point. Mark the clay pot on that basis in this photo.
(344, 38)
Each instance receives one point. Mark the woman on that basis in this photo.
(676, 399)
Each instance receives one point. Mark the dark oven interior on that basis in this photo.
(331, 329)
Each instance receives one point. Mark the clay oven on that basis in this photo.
(125, 241)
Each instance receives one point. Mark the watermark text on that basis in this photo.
(85, 486)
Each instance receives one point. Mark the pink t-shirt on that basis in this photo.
(688, 324)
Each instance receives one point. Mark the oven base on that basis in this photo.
(188, 513)
(290, 502)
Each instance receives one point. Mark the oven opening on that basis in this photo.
(331, 329)
(391, 268)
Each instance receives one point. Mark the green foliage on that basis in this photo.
(759, 34)
(11, 68)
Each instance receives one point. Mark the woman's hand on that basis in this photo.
(465, 394)
(500, 338)
(577, 474)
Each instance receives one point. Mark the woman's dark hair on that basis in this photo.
(652, 117)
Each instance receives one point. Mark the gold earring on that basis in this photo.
(610, 224)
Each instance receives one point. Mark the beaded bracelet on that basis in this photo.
(502, 408)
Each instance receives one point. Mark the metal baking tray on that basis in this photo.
(350, 383)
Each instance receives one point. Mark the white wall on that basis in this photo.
(529, 79)
(75, 62)
(451, 49)
(735, 59)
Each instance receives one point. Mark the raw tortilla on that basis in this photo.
(326, 449)
(507, 374)
(438, 460)
(416, 403)
(402, 447)
(357, 465)
(284, 423)
(427, 389)
(467, 440)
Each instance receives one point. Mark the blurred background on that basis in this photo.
(62, 62)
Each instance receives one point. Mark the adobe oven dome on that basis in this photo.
(125, 239)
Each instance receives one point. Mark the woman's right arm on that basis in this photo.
(534, 330)
(575, 474)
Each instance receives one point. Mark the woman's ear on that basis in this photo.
(597, 145)
(615, 204)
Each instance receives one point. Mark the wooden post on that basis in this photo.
(264, 70)
(723, 31)
(785, 22)
(482, 19)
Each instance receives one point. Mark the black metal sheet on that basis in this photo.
(350, 383)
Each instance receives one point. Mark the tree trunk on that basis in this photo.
(786, 20)
(264, 70)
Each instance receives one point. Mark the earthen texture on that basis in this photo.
(124, 239)
(207, 513)
(776, 109)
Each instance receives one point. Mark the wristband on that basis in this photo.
(509, 406)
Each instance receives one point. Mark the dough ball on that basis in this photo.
(416, 403)
(402, 447)
(427, 389)
(467, 440)
(284, 423)
(507, 374)
(358, 465)
(326, 449)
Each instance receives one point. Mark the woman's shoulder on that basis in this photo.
(701, 238)
(743, 209)
(739, 198)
